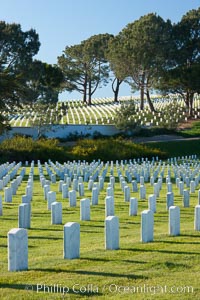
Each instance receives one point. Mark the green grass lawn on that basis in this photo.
(166, 266)
(177, 148)
(194, 131)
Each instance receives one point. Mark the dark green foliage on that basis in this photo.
(21, 149)
(112, 149)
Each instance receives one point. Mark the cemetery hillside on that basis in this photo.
(100, 197)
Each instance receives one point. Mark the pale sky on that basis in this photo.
(62, 23)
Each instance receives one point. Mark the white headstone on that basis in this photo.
(112, 181)
(51, 197)
(156, 189)
(72, 198)
(126, 193)
(152, 203)
(142, 192)
(169, 200)
(169, 187)
(81, 189)
(95, 196)
(14, 187)
(110, 191)
(29, 191)
(1, 185)
(17, 249)
(133, 207)
(101, 183)
(90, 184)
(174, 220)
(60, 184)
(147, 226)
(8, 194)
(141, 180)
(46, 190)
(181, 187)
(56, 213)
(186, 198)
(112, 233)
(109, 206)
(65, 192)
(134, 186)
(75, 184)
(24, 215)
(197, 218)
(85, 210)
(53, 178)
(192, 186)
(26, 199)
(71, 240)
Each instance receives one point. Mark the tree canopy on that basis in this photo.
(85, 66)
(23, 79)
(182, 74)
(139, 51)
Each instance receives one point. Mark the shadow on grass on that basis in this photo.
(44, 238)
(46, 229)
(179, 242)
(93, 273)
(160, 251)
(88, 225)
(49, 289)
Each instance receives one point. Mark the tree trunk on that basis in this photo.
(142, 98)
(85, 89)
(116, 89)
(191, 99)
(187, 100)
(149, 101)
(142, 91)
(89, 102)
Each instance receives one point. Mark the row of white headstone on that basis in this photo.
(146, 223)
(18, 237)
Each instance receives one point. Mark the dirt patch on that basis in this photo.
(187, 125)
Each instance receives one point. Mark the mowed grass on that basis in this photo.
(166, 268)
(177, 148)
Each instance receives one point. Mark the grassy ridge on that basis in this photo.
(158, 266)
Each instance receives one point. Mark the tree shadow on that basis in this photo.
(44, 238)
(47, 229)
(92, 273)
(160, 251)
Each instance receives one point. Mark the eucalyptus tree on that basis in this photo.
(182, 75)
(85, 66)
(143, 46)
